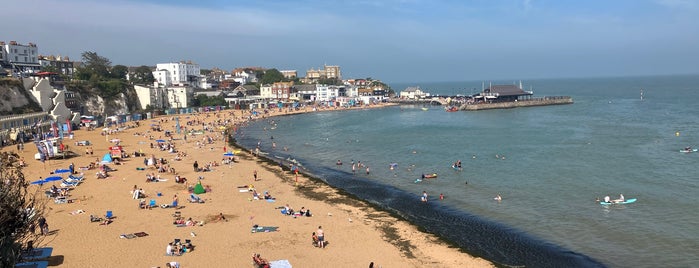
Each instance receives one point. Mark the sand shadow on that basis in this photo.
(56, 260)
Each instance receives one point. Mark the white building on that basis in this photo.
(153, 96)
(177, 73)
(179, 96)
(50, 99)
(266, 92)
(413, 93)
(20, 57)
(329, 92)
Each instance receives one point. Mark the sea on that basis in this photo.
(622, 135)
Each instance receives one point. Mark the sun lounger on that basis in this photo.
(34, 264)
(37, 254)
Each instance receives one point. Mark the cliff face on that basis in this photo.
(14, 99)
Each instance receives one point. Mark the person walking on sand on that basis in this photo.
(321, 237)
(254, 174)
(196, 166)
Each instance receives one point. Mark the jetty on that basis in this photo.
(556, 100)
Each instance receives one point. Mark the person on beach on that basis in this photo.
(321, 237)
(172, 264)
(196, 166)
(254, 174)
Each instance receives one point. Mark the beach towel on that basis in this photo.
(128, 236)
(280, 264)
(264, 229)
(141, 234)
(76, 212)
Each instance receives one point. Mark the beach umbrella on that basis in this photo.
(159, 140)
(53, 178)
(38, 182)
(58, 171)
(228, 154)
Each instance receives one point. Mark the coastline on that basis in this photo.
(358, 232)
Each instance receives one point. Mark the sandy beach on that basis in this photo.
(357, 234)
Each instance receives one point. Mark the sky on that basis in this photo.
(390, 40)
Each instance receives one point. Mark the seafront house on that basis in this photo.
(63, 65)
(177, 73)
(281, 90)
(151, 97)
(19, 58)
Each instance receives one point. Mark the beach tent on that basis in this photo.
(107, 158)
(199, 189)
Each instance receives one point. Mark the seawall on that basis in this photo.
(557, 100)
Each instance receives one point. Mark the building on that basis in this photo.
(19, 57)
(504, 93)
(177, 73)
(289, 74)
(149, 96)
(328, 72)
(281, 90)
(305, 92)
(19, 127)
(51, 99)
(413, 93)
(266, 91)
(63, 65)
(179, 96)
(329, 92)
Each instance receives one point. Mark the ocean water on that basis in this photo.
(552, 162)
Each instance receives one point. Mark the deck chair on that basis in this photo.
(68, 184)
(109, 214)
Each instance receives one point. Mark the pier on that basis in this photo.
(555, 100)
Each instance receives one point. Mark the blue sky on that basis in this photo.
(392, 40)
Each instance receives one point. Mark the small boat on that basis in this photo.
(425, 108)
(688, 150)
(452, 109)
(429, 176)
(627, 201)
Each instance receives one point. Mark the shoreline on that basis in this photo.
(357, 231)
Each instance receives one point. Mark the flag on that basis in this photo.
(70, 126)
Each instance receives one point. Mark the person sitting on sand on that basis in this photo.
(259, 261)
(221, 217)
(268, 196)
(190, 222)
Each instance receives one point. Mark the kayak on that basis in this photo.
(627, 201)
(689, 151)
(429, 176)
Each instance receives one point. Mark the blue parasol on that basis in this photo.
(159, 140)
(53, 178)
(58, 171)
(228, 154)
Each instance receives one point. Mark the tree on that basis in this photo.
(205, 72)
(96, 64)
(203, 100)
(119, 71)
(20, 210)
(143, 75)
(272, 76)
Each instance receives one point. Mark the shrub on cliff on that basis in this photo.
(20, 211)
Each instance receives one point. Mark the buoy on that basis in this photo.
(677, 133)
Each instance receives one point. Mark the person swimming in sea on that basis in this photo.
(339, 163)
